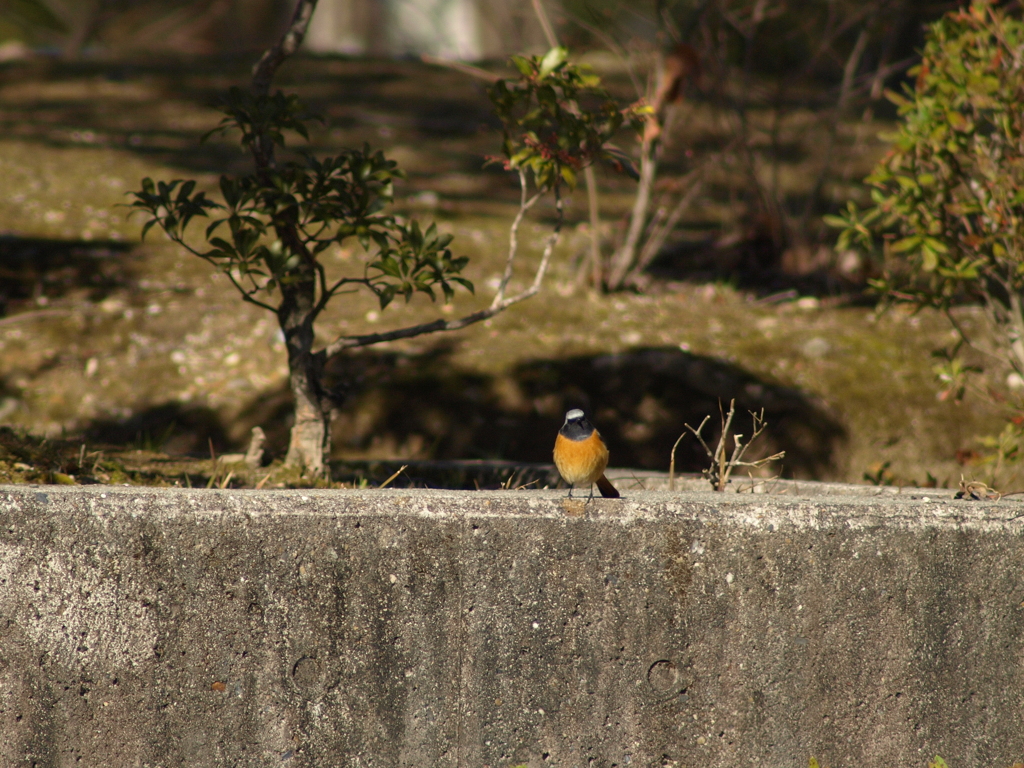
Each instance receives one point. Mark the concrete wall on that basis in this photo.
(410, 628)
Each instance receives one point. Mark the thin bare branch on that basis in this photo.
(525, 204)
(722, 463)
(246, 295)
(720, 456)
(672, 462)
(657, 239)
(615, 48)
(594, 211)
(328, 293)
(459, 66)
(850, 68)
(545, 23)
(697, 433)
(624, 259)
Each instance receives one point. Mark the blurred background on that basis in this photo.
(775, 114)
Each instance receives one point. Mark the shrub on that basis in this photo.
(947, 220)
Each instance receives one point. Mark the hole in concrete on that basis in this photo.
(305, 672)
(663, 676)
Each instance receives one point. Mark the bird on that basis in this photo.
(581, 455)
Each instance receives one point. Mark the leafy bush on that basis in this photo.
(947, 223)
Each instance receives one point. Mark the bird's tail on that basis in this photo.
(606, 488)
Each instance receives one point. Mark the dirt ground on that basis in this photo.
(123, 361)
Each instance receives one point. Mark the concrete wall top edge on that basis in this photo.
(754, 511)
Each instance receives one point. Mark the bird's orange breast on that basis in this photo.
(581, 462)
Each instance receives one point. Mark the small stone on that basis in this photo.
(816, 347)
(426, 199)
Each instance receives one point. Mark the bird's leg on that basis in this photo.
(591, 496)
(570, 490)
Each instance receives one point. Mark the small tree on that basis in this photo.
(947, 222)
(274, 224)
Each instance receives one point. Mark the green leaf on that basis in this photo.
(929, 259)
(552, 60)
(895, 98)
(907, 183)
(523, 65)
(906, 244)
(186, 190)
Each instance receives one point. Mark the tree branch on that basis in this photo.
(460, 66)
(500, 303)
(545, 23)
(658, 237)
(246, 295)
(623, 260)
(326, 294)
(265, 69)
(513, 236)
(263, 72)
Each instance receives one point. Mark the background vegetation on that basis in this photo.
(130, 347)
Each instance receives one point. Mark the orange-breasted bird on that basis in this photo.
(581, 455)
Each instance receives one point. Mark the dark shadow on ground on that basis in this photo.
(425, 408)
(171, 428)
(754, 264)
(36, 268)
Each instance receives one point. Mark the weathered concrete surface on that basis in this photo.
(409, 628)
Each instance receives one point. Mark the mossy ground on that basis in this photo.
(144, 353)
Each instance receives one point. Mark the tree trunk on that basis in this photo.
(310, 442)
(311, 433)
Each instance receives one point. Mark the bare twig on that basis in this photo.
(722, 463)
(672, 459)
(594, 210)
(460, 66)
(545, 23)
(656, 241)
(850, 68)
(387, 482)
(626, 255)
(34, 314)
